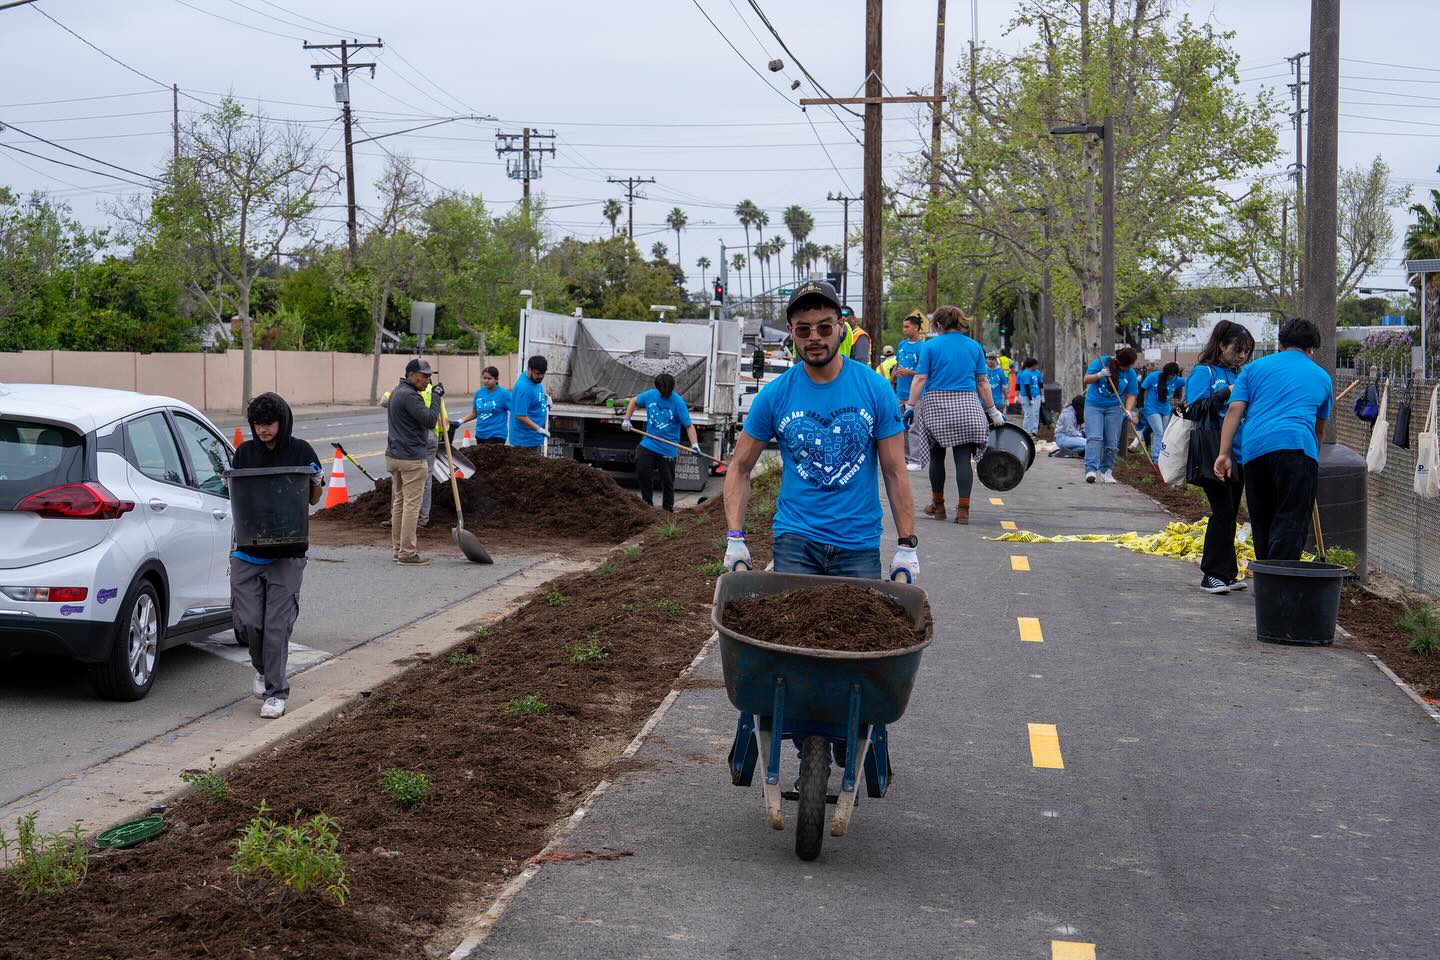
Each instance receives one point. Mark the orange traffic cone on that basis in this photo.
(337, 493)
(239, 439)
(465, 441)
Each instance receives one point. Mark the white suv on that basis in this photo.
(114, 529)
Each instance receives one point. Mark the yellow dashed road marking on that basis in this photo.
(1030, 628)
(1071, 950)
(1007, 524)
(996, 502)
(1045, 747)
(1019, 563)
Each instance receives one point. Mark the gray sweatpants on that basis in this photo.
(264, 602)
(432, 449)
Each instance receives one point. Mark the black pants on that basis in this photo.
(964, 475)
(647, 461)
(1218, 558)
(1280, 489)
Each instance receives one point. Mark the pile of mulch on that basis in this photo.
(842, 618)
(1373, 623)
(1187, 502)
(514, 491)
(501, 778)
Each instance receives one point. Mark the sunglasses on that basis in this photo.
(801, 331)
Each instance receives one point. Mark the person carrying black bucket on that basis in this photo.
(265, 580)
(665, 414)
(1207, 398)
(952, 390)
(1283, 400)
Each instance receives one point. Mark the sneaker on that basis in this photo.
(1214, 585)
(413, 560)
(1108, 477)
(384, 523)
(1089, 476)
(1238, 585)
(257, 686)
(272, 709)
(913, 467)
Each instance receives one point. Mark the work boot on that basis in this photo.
(937, 506)
(962, 510)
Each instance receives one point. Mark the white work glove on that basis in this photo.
(695, 449)
(737, 554)
(906, 563)
(544, 433)
(996, 417)
(626, 425)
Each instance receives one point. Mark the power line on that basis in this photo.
(778, 92)
(239, 23)
(783, 46)
(103, 96)
(101, 173)
(1396, 66)
(105, 163)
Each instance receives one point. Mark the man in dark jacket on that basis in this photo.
(406, 448)
(265, 580)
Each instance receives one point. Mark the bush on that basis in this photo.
(1424, 630)
(1342, 556)
(43, 862)
(714, 569)
(670, 529)
(528, 705)
(283, 863)
(606, 568)
(409, 788)
(553, 597)
(210, 784)
(592, 650)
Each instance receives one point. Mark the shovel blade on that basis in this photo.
(470, 545)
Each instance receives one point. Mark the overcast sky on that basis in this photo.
(632, 88)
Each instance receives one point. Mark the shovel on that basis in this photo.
(677, 446)
(1155, 469)
(347, 456)
(468, 543)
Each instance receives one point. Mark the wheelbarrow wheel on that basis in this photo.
(814, 780)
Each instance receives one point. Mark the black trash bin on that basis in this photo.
(1296, 601)
(270, 505)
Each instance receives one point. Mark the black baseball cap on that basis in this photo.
(418, 366)
(812, 290)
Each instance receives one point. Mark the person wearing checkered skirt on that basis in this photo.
(956, 408)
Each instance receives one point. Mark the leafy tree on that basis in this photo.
(39, 241)
(677, 220)
(608, 277)
(658, 251)
(1422, 242)
(612, 212)
(1361, 312)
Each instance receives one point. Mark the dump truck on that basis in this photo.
(597, 365)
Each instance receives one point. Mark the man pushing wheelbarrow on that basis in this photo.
(838, 426)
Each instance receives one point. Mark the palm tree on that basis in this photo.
(746, 212)
(612, 212)
(658, 251)
(737, 263)
(677, 220)
(799, 223)
(1422, 242)
(762, 253)
(704, 264)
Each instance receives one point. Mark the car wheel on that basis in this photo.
(130, 670)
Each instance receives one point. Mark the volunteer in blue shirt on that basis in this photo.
(1284, 400)
(1161, 388)
(907, 358)
(1108, 379)
(999, 381)
(1207, 397)
(953, 395)
(1030, 385)
(529, 407)
(489, 408)
(665, 414)
(837, 424)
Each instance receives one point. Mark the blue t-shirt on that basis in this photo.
(527, 399)
(1030, 383)
(1101, 393)
(827, 433)
(491, 406)
(999, 385)
(952, 361)
(1154, 403)
(907, 355)
(1204, 380)
(1285, 394)
(663, 418)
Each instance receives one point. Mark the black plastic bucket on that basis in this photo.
(1008, 454)
(1296, 601)
(271, 505)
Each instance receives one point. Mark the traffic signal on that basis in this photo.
(833, 279)
(719, 291)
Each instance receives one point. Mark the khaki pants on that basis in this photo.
(407, 480)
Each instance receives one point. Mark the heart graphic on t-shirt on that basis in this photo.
(825, 451)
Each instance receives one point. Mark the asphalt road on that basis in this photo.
(1202, 796)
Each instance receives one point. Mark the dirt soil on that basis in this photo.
(857, 620)
(518, 493)
(1187, 502)
(596, 651)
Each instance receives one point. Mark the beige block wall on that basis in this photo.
(28, 366)
(178, 375)
(308, 378)
(113, 370)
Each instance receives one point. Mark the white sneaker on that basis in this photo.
(1108, 477)
(913, 467)
(1089, 476)
(257, 686)
(273, 709)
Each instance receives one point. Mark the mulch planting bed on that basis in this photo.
(856, 620)
(1187, 502)
(513, 727)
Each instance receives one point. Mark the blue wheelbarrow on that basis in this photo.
(828, 703)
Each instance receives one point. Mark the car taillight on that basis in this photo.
(76, 501)
(47, 594)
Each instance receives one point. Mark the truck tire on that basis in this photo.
(814, 780)
(129, 672)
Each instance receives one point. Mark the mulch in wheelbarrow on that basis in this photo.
(512, 727)
(844, 618)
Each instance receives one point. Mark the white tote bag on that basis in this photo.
(1427, 454)
(1175, 450)
(1380, 435)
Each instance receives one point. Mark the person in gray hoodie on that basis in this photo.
(406, 449)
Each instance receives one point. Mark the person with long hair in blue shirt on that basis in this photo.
(1162, 388)
(1207, 398)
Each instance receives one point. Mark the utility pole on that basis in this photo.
(630, 184)
(1107, 236)
(1321, 186)
(1297, 90)
(523, 169)
(932, 281)
(844, 241)
(175, 118)
(342, 96)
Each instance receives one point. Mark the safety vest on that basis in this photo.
(427, 396)
(847, 342)
(886, 365)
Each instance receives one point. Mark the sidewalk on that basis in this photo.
(1219, 798)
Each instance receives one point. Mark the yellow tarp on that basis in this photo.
(1183, 541)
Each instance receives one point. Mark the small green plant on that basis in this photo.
(482, 631)
(632, 552)
(592, 650)
(464, 658)
(606, 568)
(1424, 630)
(43, 863)
(1342, 556)
(278, 864)
(553, 597)
(667, 606)
(409, 788)
(210, 784)
(715, 569)
(670, 529)
(528, 705)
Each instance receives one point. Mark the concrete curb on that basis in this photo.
(1430, 709)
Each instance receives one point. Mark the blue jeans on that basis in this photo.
(1031, 406)
(796, 554)
(1158, 422)
(1102, 429)
(1070, 446)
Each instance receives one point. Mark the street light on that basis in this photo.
(1106, 133)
